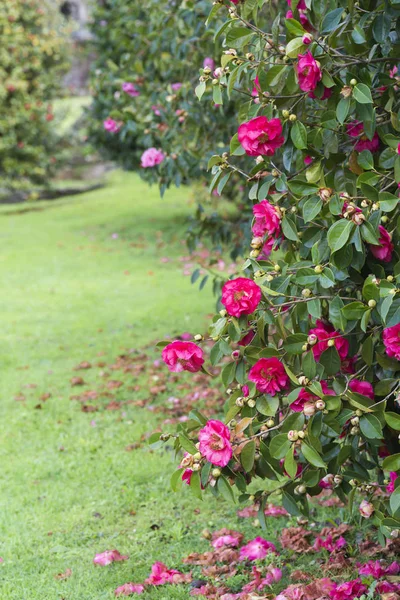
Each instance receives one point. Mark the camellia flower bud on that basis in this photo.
(235, 355)
(198, 337)
(300, 490)
(259, 273)
(354, 431)
(353, 81)
(355, 421)
(325, 194)
(390, 278)
(338, 479)
(320, 405)
(307, 39)
(270, 423)
(275, 173)
(312, 339)
(372, 303)
(254, 253)
(309, 409)
(239, 402)
(306, 293)
(331, 343)
(302, 435)
(364, 203)
(223, 313)
(232, 424)
(257, 242)
(259, 159)
(292, 118)
(196, 467)
(318, 269)
(251, 403)
(303, 380)
(216, 473)
(346, 91)
(197, 456)
(358, 218)
(285, 114)
(293, 436)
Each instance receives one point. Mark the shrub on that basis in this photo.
(30, 66)
(149, 54)
(309, 336)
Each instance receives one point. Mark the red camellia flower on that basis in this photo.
(269, 375)
(215, 443)
(267, 219)
(391, 339)
(356, 129)
(183, 356)
(308, 72)
(362, 387)
(240, 296)
(324, 333)
(261, 136)
(348, 590)
(385, 249)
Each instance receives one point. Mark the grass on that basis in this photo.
(73, 292)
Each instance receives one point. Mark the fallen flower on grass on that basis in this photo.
(256, 549)
(160, 574)
(108, 557)
(129, 588)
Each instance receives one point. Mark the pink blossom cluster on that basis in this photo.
(151, 158)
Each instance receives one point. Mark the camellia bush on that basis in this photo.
(145, 114)
(308, 334)
(31, 62)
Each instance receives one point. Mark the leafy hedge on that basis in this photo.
(309, 335)
(31, 60)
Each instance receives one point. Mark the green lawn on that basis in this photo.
(72, 292)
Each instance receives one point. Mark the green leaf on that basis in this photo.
(275, 74)
(267, 405)
(176, 480)
(331, 20)
(289, 229)
(368, 233)
(195, 485)
(200, 89)
(225, 489)
(279, 446)
(366, 160)
(187, 444)
(247, 456)
(294, 27)
(311, 208)
(367, 350)
(393, 420)
(290, 464)
(371, 427)
(298, 134)
(354, 310)
(294, 343)
(336, 316)
(395, 501)
(392, 463)
(342, 109)
(330, 360)
(289, 503)
(302, 188)
(362, 94)
(339, 233)
(295, 47)
(312, 456)
(309, 365)
(388, 201)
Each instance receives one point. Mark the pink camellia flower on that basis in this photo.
(385, 249)
(308, 72)
(267, 219)
(308, 160)
(187, 476)
(391, 339)
(231, 541)
(366, 509)
(348, 590)
(240, 296)
(390, 487)
(307, 39)
(215, 443)
(111, 126)
(329, 543)
(108, 557)
(327, 482)
(261, 136)
(273, 575)
(245, 391)
(305, 396)
(246, 339)
(356, 129)
(151, 157)
(267, 248)
(362, 387)
(376, 570)
(160, 574)
(209, 62)
(130, 88)
(269, 375)
(129, 588)
(301, 5)
(183, 356)
(256, 549)
(393, 72)
(256, 89)
(176, 86)
(324, 333)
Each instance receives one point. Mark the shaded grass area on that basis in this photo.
(73, 291)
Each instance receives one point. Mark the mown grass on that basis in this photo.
(71, 291)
